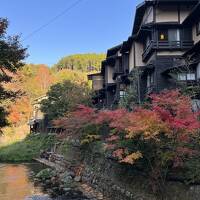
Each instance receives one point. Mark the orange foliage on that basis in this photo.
(44, 78)
(20, 111)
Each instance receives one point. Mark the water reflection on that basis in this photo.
(15, 183)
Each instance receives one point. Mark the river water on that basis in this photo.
(15, 181)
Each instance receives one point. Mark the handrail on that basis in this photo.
(182, 44)
(148, 48)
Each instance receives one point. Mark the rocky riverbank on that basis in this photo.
(63, 185)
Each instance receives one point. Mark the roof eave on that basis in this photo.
(193, 16)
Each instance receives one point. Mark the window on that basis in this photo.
(174, 35)
(182, 77)
(122, 94)
(198, 28)
(191, 77)
(186, 77)
(163, 35)
(169, 35)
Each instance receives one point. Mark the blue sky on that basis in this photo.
(92, 26)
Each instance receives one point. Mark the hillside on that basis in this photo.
(81, 62)
(34, 81)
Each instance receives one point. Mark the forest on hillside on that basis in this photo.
(21, 83)
(82, 62)
(33, 81)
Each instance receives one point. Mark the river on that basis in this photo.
(16, 184)
(15, 181)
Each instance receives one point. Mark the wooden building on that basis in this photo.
(38, 122)
(164, 33)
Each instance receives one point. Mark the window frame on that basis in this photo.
(191, 76)
(122, 94)
(177, 31)
(165, 33)
(186, 76)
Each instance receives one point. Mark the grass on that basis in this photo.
(27, 149)
(12, 135)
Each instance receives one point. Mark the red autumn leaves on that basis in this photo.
(169, 115)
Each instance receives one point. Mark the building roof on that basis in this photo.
(90, 76)
(112, 51)
(194, 15)
(140, 11)
(141, 8)
(127, 45)
(109, 61)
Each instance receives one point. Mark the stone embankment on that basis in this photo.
(65, 180)
(100, 178)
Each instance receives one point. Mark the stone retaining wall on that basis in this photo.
(118, 182)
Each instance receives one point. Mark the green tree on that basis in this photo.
(11, 56)
(63, 98)
(131, 97)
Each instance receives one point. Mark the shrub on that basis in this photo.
(27, 149)
(158, 138)
(46, 174)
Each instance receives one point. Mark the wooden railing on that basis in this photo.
(173, 44)
(148, 49)
(167, 45)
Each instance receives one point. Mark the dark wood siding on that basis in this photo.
(162, 80)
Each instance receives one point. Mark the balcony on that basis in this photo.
(166, 45)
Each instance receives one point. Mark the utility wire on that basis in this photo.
(52, 20)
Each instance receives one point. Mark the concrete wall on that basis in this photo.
(170, 53)
(97, 82)
(167, 14)
(139, 49)
(135, 56)
(131, 58)
(109, 74)
(170, 13)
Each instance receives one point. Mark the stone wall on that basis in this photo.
(113, 180)
(118, 182)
